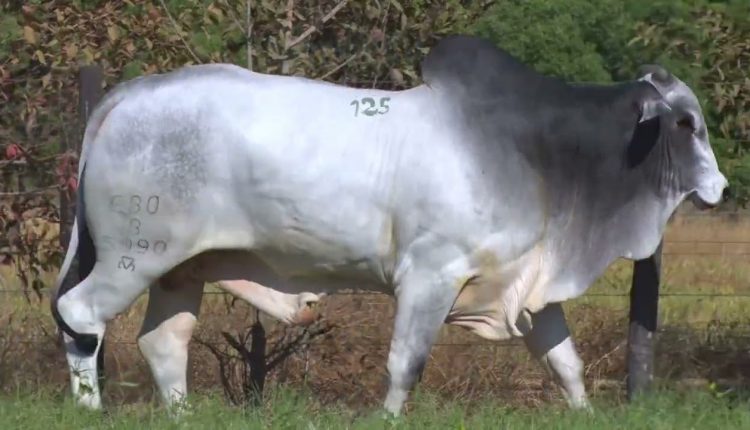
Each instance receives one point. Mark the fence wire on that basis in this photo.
(743, 295)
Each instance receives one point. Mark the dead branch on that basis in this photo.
(284, 349)
(28, 192)
(310, 30)
(243, 370)
(223, 359)
(340, 66)
(603, 357)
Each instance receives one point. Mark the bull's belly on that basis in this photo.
(304, 243)
(230, 265)
(290, 260)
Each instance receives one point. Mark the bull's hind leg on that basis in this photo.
(549, 341)
(173, 306)
(86, 309)
(292, 309)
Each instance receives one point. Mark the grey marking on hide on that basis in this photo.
(179, 162)
(166, 152)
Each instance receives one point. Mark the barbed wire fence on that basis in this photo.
(679, 292)
(602, 359)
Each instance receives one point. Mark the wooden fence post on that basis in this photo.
(644, 310)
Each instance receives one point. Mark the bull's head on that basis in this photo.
(673, 132)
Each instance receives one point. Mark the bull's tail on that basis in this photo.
(78, 264)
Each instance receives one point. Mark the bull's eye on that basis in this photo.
(686, 123)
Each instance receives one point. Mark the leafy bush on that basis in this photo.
(704, 43)
(708, 46)
(365, 43)
(577, 39)
(43, 43)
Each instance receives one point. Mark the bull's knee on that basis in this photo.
(168, 337)
(76, 316)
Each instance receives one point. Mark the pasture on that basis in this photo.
(333, 374)
(293, 410)
(338, 378)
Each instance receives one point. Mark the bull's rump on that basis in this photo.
(278, 166)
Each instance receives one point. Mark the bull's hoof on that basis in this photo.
(307, 313)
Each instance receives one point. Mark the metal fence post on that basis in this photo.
(90, 80)
(258, 345)
(644, 309)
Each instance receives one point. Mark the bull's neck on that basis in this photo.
(623, 224)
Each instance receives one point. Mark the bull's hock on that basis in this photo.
(482, 198)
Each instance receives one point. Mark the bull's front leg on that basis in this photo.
(422, 304)
(549, 341)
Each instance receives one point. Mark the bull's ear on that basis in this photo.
(644, 139)
(652, 107)
(647, 129)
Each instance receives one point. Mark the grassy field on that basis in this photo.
(295, 410)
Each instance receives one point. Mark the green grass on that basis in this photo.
(294, 410)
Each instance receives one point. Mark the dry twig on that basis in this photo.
(340, 66)
(310, 30)
(179, 32)
(603, 357)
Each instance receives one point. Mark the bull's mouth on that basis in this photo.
(701, 203)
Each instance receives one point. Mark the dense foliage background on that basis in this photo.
(374, 43)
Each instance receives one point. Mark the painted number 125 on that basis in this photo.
(369, 106)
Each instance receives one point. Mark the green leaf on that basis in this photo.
(132, 70)
(9, 29)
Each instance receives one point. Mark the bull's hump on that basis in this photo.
(483, 70)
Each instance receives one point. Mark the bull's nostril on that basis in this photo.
(726, 194)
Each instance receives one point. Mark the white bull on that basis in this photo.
(483, 198)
